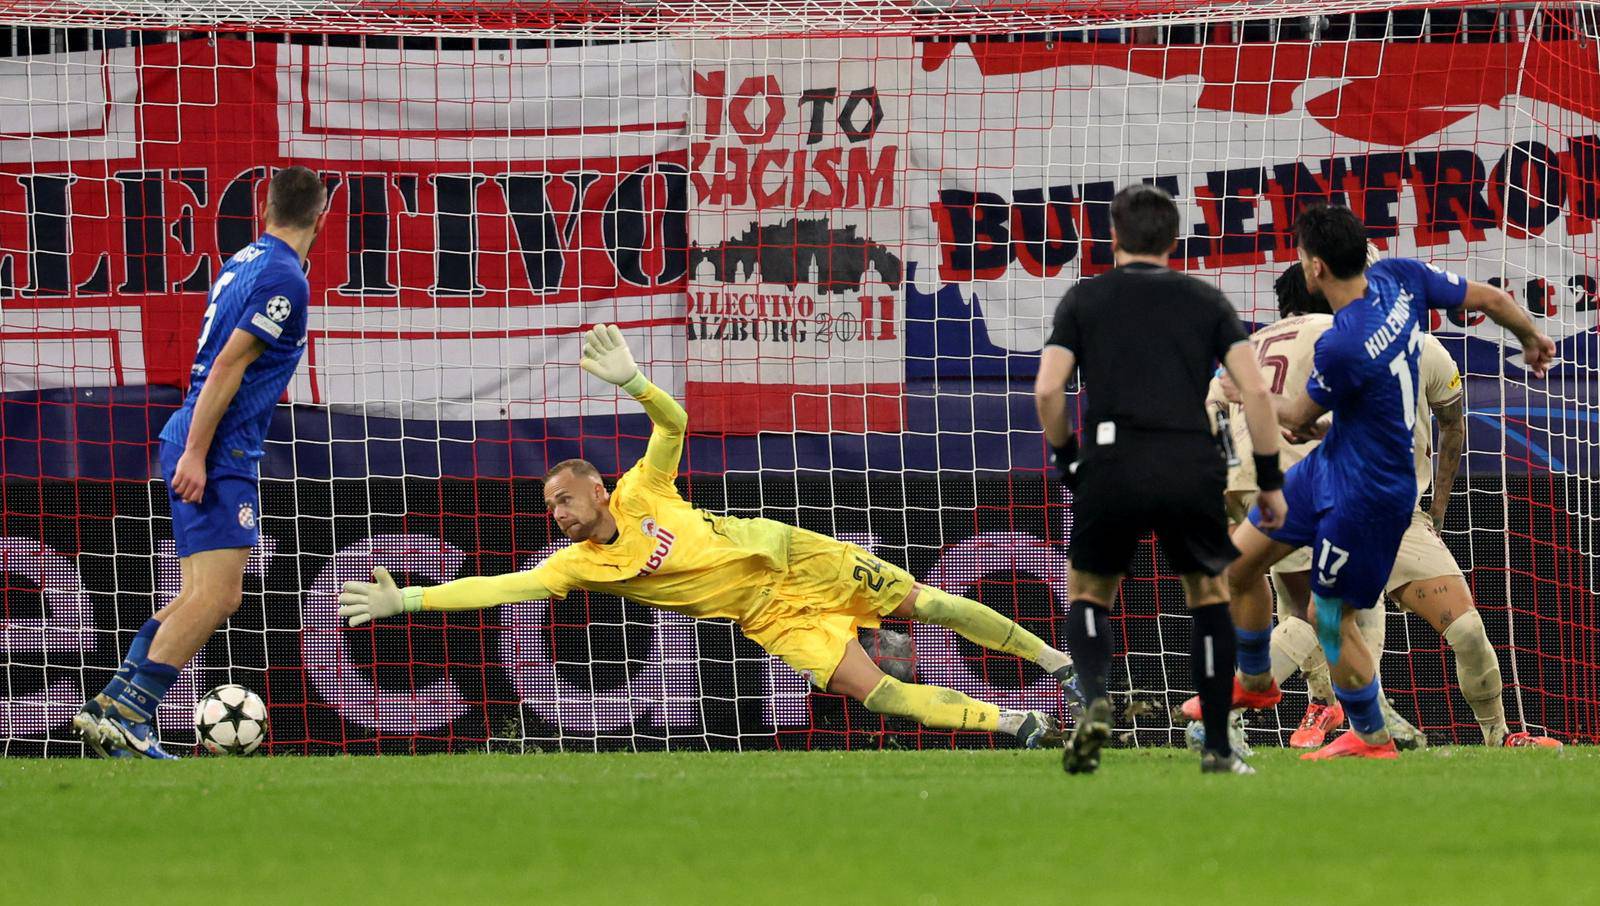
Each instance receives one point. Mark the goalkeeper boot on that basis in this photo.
(1091, 732)
(1212, 763)
(1071, 692)
(1524, 739)
(1351, 745)
(1320, 720)
(1243, 699)
(87, 725)
(132, 732)
(1405, 734)
(1039, 731)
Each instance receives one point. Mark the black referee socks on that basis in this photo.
(1088, 632)
(1212, 650)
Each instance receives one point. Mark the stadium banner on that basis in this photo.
(85, 563)
(796, 164)
(1484, 158)
(483, 207)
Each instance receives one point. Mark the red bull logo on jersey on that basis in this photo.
(664, 541)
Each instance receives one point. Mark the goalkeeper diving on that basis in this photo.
(801, 596)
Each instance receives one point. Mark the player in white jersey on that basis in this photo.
(1426, 579)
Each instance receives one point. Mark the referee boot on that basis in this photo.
(1243, 699)
(1082, 755)
(1212, 763)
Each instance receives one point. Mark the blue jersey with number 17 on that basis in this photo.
(262, 291)
(1365, 372)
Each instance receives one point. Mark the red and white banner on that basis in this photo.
(484, 207)
(1482, 157)
(758, 215)
(796, 167)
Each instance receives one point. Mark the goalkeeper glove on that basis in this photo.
(1065, 458)
(606, 355)
(362, 602)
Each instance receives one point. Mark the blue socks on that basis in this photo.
(1255, 652)
(138, 649)
(144, 691)
(1361, 705)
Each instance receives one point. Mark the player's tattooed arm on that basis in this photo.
(1452, 419)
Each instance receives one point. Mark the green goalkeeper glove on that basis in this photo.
(362, 602)
(606, 355)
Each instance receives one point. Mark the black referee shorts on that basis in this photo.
(1170, 483)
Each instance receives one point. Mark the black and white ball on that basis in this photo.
(230, 720)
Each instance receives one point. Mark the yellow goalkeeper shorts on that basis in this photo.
(830, 589)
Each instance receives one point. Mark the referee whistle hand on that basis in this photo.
(189, 478)
(1273, 509)
(606, 355)
(363, 602)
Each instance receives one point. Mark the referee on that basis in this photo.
(1147, 340)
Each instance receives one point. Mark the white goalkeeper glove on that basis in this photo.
(606, 355)
(362, 602)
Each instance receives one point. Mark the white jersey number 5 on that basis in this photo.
(211, 310)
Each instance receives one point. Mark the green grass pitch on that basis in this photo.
(1448, 826)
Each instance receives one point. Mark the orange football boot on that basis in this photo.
(1242, 699)
(1524, 739)
(1350, 745)
(1320, 720)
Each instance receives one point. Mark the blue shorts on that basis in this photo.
(1352, 554)
(228, 514)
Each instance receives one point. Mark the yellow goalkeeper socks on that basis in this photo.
(932, 706)
(982, 626)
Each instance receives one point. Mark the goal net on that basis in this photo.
(836, 231)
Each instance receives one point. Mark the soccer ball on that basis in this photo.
(1195, 735)
(230, 720)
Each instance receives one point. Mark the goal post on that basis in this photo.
(836, 232)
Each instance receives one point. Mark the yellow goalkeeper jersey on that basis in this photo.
(667, 553)
(672, 555)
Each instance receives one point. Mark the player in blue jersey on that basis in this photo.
(1351, 498)
(251, 340)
